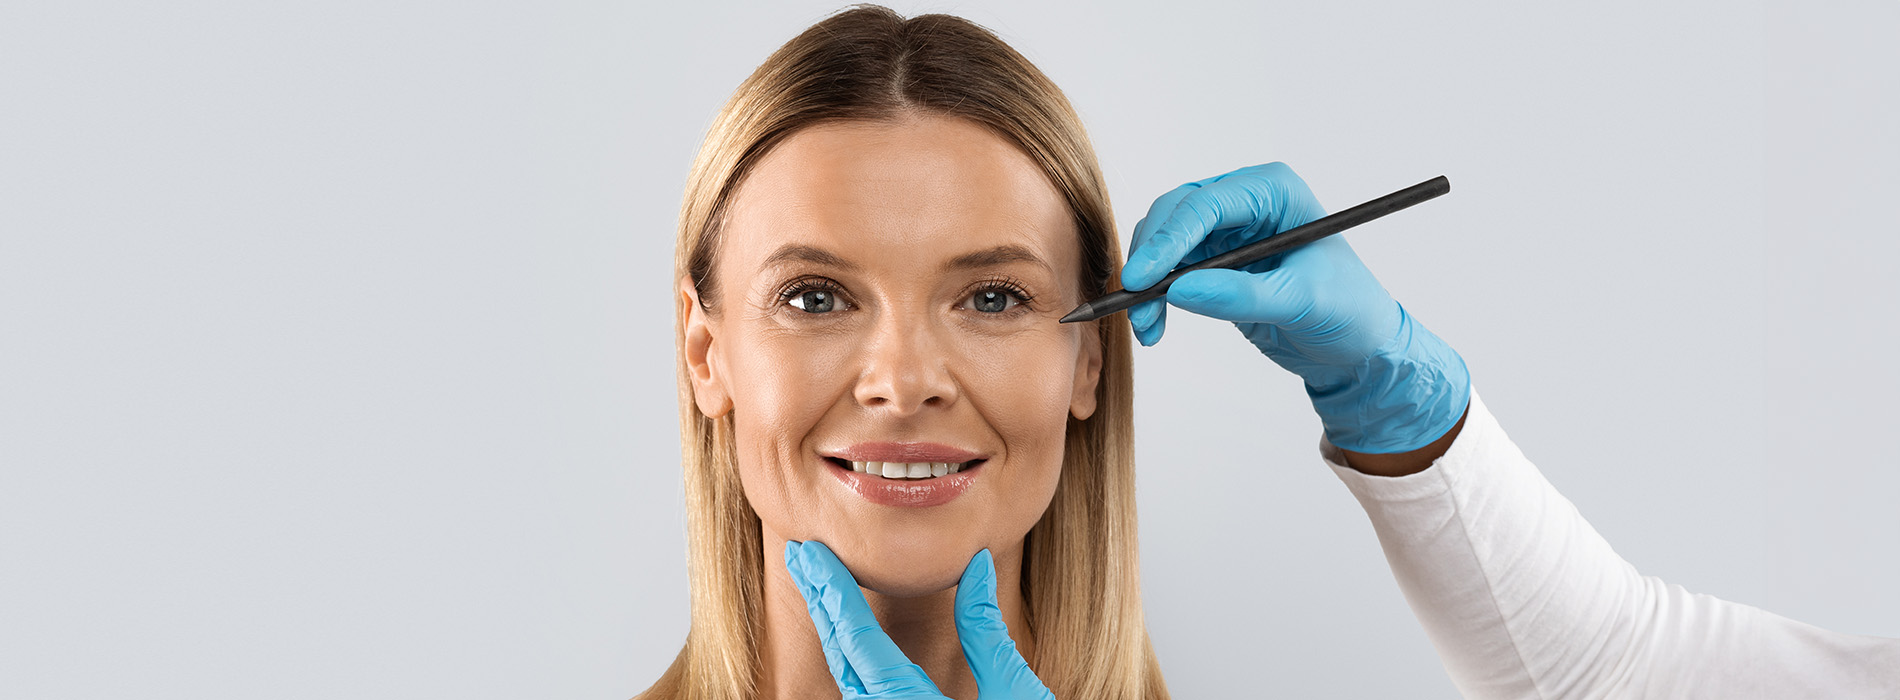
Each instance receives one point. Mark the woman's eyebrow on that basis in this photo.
(1000, 255)
(988, 257)
(797, 252)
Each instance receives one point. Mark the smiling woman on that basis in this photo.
(879, 235)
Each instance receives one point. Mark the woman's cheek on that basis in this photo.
(785, 385)
(1030, 381)
(787, 375)
(1037, 372)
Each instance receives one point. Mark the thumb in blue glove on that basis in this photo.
(867, 664)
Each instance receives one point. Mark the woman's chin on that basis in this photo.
(908, 582)
(910, 568)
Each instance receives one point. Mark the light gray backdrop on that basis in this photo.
(335, 337)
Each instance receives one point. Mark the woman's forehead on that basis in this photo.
(925, 189)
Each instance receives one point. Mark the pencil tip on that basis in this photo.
(1081, 313)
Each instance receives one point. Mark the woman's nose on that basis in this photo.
(906, 370)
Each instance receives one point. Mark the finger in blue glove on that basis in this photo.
(862, 658)
(867, 664)
(1243, 297)
(1000, 670)
(1202, 219)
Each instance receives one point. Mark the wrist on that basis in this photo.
(1401, 400)
(1403, 463)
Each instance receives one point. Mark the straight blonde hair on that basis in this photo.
(1081, 582)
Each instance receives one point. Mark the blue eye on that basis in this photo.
(998, 297)
(992, 301)
(814, 301)
(813, 296)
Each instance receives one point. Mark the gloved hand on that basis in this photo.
(1380, 382)
(867, 664)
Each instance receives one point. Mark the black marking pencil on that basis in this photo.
(1262, 249)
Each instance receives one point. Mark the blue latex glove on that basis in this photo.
(1380, 382)
(867, 664)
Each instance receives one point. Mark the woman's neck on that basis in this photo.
(792, 664)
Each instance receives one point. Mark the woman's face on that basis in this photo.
(889, 292)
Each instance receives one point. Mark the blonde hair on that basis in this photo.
(1080, 582)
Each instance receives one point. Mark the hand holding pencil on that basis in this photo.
(1379, 380)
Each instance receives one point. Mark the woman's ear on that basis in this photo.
(703, 363)
(1088, 372)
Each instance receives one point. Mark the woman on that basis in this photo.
(879, 234)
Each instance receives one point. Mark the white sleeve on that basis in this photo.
(1523, 599)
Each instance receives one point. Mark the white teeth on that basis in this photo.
(907, 470)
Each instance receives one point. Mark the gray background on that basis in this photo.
(335, 337)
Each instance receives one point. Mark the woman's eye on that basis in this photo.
(992, 301)
(814, 301)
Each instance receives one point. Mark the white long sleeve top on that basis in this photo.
(1523, 599)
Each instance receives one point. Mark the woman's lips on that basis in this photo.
(909, 493)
